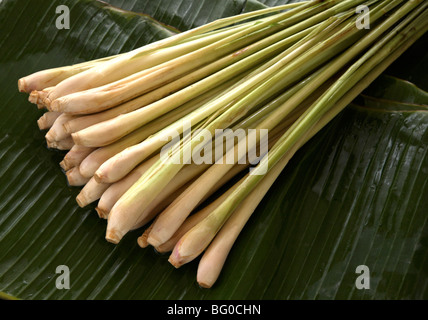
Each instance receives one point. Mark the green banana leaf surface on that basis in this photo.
(355, 195)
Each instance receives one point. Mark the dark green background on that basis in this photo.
(355, 194)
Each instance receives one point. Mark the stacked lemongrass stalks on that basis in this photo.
(287, 70)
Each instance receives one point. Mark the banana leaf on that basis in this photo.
(354, 195)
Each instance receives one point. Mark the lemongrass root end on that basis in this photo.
(55, 105)
(51, 144)
(153, 241)
(67, 128)
(204, 285)
(142, 242)
(77, 139)
(47, 103)
(103, 214)
(33, 97)
(100, 178)
(81, 200)
(74, 178)
(42, 124)
(22, 85)
(113, 236)
(176, 259)
(64, 166)
(49, 136)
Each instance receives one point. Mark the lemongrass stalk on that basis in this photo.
(118, 127)
(158, 123)
(124, 162)
(123, 89)
(36, 97)
(64, 145)
(126, 69)
(218, 24)
(264, 111)
(217, 31)
(192, 220)
(110, 95)
(57, 132)
(187, 175)
(151, 211)
(196, 240)
(216, 254)
(298, 50)
(320, 78)
(47, 120)
(266, 108)
(123, 66)
(318, 48)
(51, 77)
(95, 160)
(92, 162)
(152, 168)
(213, 259)
(188, 224)
(123, 214)
(161, 201)
(170, 74)
(229, 231)
(224, 22)
(164, 198)
(135, 119)
(41, 95)
(144, 215)
(205, 110)
(151, 236)
(393, 40)
(91, 192)
(75, 156)
(170, 220)
(115, 93)
(75, 179)
(142, 240)
(118, 166)
(84, 122)
(33, 97)
(114, 192)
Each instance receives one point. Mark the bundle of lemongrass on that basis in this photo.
(289, 69)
